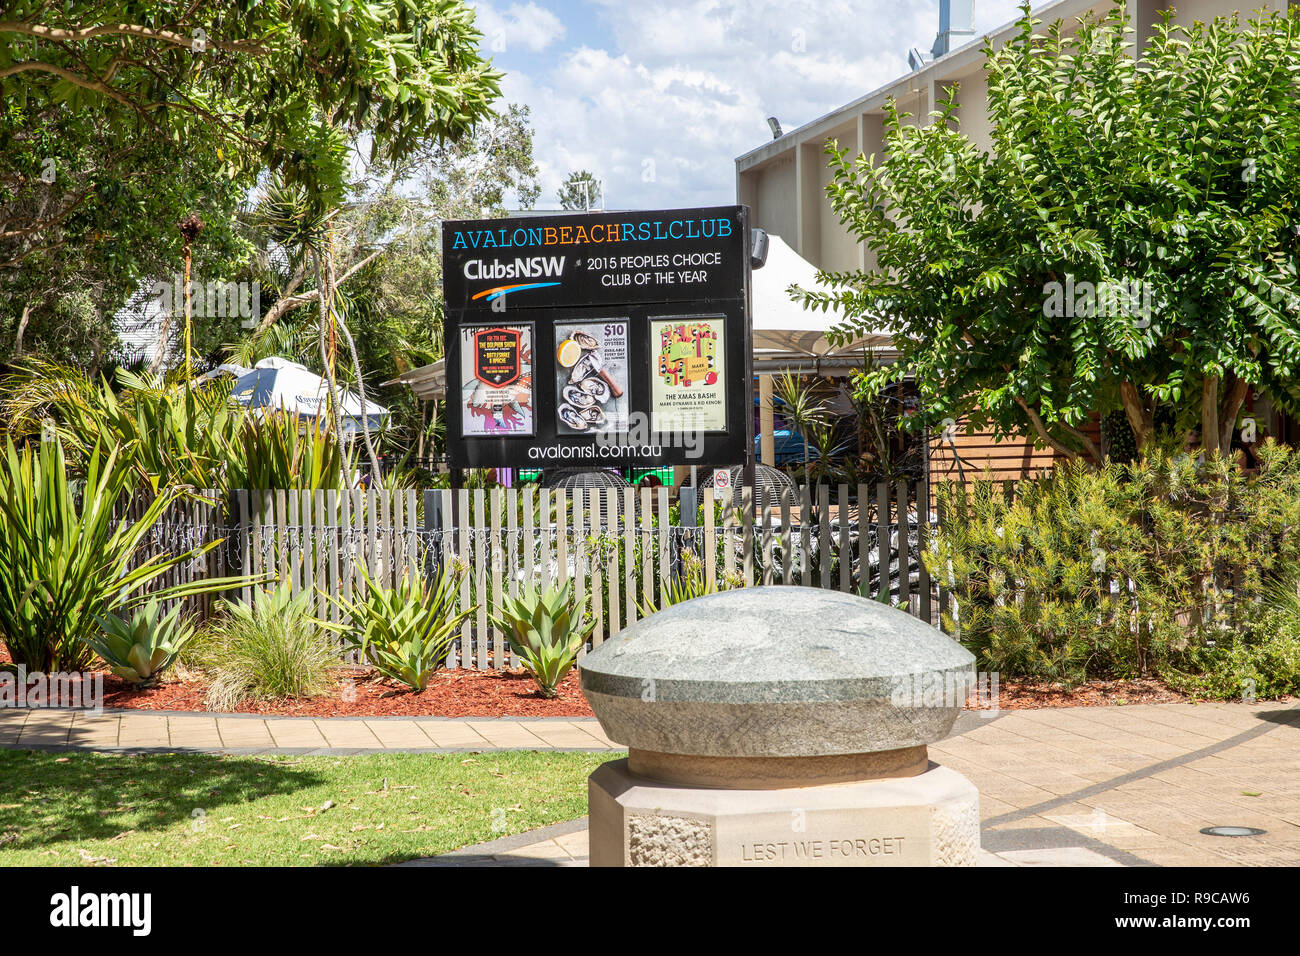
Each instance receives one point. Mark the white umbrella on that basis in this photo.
(276, 383)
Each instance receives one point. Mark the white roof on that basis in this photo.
(783, 325)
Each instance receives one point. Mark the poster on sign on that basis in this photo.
(591, 377)
(496, 380)
(688, 393)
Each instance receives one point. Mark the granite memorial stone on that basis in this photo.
(779, 726)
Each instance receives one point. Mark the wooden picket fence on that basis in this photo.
(621, 548)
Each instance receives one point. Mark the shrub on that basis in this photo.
(405, 632)
(270, 648)
(140, 648)
(67, 560)
(1262, 662)
(545, 632)
(1127, 570)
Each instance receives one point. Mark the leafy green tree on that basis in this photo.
(389, 262)
(582, 190)
(118, 204)
(283, 85)
(1129, 240)
(241, 87)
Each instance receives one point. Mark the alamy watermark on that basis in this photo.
(947, 690)
(1116, 299)
(210, 300)
(73, 909)
(77, 690)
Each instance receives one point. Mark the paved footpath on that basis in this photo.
(141, 731)
(1114, 786)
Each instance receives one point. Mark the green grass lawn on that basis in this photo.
(212, 810)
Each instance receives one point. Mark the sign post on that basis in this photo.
(599, 340)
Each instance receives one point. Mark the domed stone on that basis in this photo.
(777, 672)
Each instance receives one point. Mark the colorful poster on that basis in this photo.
(688, 393)
(496, 376)
(591, 377)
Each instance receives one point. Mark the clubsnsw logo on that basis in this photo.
(76, 909)
(519, 269)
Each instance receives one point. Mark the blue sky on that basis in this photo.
(658, 97)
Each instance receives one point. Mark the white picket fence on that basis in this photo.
(620, 548)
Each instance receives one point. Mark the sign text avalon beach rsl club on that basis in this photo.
(598, 340)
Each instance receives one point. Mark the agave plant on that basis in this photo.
(66, 559)
(406, 631)
(546, 633)
(141, 647)
(690, 584)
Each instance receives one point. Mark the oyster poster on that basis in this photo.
(687, 391)
(496, 375)
(591, 379)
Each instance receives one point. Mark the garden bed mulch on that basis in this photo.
(457, 693)
(512, 693)
(463, 693)
(1034, 695)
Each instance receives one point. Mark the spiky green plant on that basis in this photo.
(177, 435)
(140, 647)
(405, 631)
(281, 450)
(545, 631)
(691, 583)
(66, 559)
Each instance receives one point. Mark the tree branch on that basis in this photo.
(1089, 446)
(289, 303)
(1140, 418)
(1037, 421)
(59, 35)
(76, 79)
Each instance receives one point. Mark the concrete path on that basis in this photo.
(153, 731)
(1127, 786)
(1086, 786)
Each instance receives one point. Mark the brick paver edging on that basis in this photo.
(227, 715)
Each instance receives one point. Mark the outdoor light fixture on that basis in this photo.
(774, 126)
(758, 249)
(1233, 831)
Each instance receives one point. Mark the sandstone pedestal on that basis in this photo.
(779, 726)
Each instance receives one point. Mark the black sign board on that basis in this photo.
(598, 340)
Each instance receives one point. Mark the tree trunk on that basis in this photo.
(1210, 415)
(356, 370)
(22, 328)
(1234, 396)
(323, 301)
(1141, 416)
(160, 349)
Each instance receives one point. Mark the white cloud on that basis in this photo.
(521, 24)
(689, 83)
